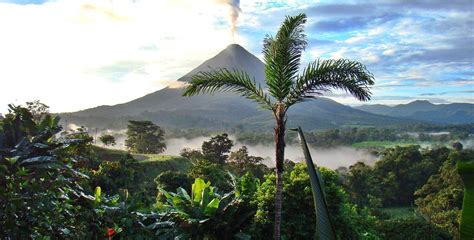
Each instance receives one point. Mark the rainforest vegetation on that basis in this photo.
(57, 184)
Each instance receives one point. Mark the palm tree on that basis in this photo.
(286, 86)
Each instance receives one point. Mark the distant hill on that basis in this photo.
(168, 108)
(454, 113)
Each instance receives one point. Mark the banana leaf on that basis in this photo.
(466, 170)
(324, 227)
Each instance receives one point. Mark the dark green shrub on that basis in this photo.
(401, 229)
(211, 172)
(350, 221)
(171, 180)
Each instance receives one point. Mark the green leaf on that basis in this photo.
(197, 188)
(22, 172)
(324, 227)
(181, 192)
(176, 200)
(323, 75)
(212, 207)
(159, 225)
(282, 55)
(38, 160)
(12, 160)
(224, 80)
(55, 121)
(97, 194)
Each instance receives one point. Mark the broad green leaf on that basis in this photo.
(181, 192)
(12, 160)
(211, 189)
(38, 160)
(212, 207)
(324, 227)
(205, 198)
(176, 201)
(40, 145)
(97, 194)
(55, 121)
(165, 224)
(169, 197)
(197, 188)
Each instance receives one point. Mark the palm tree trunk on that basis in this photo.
(280, 156)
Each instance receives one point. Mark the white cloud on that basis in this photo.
(339, 53)
(48, 51)
(356, 39)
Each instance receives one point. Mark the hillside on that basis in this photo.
(454, 113)
(168, 108)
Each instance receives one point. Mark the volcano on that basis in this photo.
(166, 107)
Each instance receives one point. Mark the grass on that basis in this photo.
(154, 164)
(108, 154)
(399, 212)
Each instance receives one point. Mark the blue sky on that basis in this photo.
(78, 54)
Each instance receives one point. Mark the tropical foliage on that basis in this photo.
(324, 225)
(204, 213)
(440, 199)
(350, 221)
(286, 86)
(466, 170)
(42, 193)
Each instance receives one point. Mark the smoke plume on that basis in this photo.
(234, 10)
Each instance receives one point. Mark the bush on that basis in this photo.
(401, 229)
(211, 172)
(112, 176)
(171, 180)
(298, 210)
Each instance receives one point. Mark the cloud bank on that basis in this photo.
(79, 54)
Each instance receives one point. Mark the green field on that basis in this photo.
(153, 164)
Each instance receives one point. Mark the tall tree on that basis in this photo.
(107, 140)
(145, 137)
(286, 86)
(216, 149)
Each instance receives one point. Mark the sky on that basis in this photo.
(73, 55)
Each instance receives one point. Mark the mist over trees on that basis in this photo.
(107, 139)
(414, 180)
(217, 147)
(105, 192)
(144, 137)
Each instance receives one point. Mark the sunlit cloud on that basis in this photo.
(79, 54)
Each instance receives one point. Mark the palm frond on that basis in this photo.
(223, 80)
(282, 55)
(324, 75)
(324, 226)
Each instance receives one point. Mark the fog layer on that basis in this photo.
(328, 157)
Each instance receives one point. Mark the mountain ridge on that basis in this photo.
(423, 110)
(224, 110)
